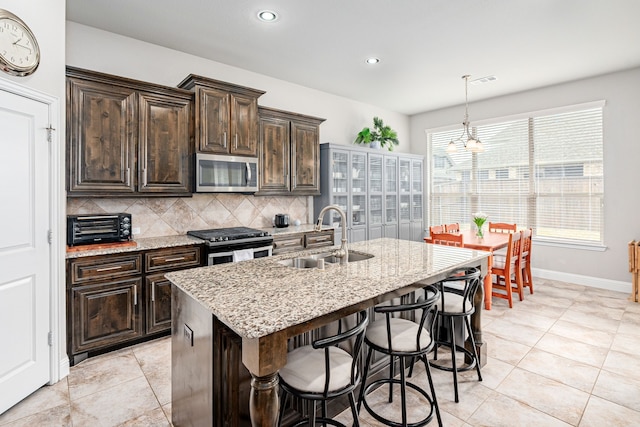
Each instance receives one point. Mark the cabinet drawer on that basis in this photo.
(319, 239)
(173, 258)
(290, 242)
(85, 270)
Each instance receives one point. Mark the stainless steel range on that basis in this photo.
(234, 244)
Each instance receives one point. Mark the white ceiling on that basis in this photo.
(425, 46)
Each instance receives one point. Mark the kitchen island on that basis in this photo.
(264, 303)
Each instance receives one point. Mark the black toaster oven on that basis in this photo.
(98, 228)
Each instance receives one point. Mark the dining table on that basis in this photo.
(490, 241)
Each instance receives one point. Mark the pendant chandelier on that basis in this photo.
(470, 142)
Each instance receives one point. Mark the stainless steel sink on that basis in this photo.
(300, 262)
(311, 261)
(352, 257)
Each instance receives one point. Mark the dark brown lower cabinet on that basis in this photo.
(106, 314)
(158, 303)
(120, 299)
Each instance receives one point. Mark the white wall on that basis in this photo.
(46, 18)
(143, 61)
(621, 91)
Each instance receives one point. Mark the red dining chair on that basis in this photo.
(525, 260)
(452, 228)
(447, 239)
(502, 227)
(505, 266)
(437, 229)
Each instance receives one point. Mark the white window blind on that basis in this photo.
(544, 172)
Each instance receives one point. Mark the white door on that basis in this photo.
(24, 248)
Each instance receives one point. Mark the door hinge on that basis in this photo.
(49, 129)
(49, 236)
(50, 339)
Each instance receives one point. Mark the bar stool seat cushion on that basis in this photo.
(305, 369)
(452, 303)
(403, 335)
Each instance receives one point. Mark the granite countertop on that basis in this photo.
(258, 297)
(141, 245)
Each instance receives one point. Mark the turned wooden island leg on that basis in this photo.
(264, 403)
(263, 357)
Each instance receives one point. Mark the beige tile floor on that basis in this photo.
(565, 356)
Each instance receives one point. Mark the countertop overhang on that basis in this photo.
(259, 297)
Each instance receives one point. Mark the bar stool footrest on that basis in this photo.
(468, 353)
(392, 423)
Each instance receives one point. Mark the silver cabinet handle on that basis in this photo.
(144, 177)
(128, 177)
(153, 291)
(174, 259)
(236, 141)
(224, 140)
(117, 267)
(135, 294)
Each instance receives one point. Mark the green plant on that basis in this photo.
(479, 218)
(381, 132)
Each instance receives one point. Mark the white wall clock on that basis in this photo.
(19, 51)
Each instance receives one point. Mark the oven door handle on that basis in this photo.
(264, 248)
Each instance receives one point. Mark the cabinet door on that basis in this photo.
(376, 204)
(305, 159)
(165, 148)
(212, 120)
(158, 303)
(243, 126)
(105, 314)
(274, 156)
(391, 202)
(357, 211)
(101, 145)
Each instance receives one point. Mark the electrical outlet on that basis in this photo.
(188, 335)
(136, 230)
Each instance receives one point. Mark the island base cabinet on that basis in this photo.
(191, 362)
(210, 386)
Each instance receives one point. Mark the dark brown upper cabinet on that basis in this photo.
(125, 136)
(226, 117)
(289, 159)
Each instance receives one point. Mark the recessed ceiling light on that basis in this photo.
(267, 16)
(372, 60)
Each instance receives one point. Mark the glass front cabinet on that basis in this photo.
(380, 192)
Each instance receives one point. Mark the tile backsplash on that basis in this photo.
(166, 216)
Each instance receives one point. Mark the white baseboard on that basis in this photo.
(594, 282)
(64, 367)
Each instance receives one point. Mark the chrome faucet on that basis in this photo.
(341, 253)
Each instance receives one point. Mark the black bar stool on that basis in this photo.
(324, 370)
(401, 338)
(456, 306)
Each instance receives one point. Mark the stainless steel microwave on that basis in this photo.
(226, 174)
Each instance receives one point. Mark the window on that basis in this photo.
(543, 171)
